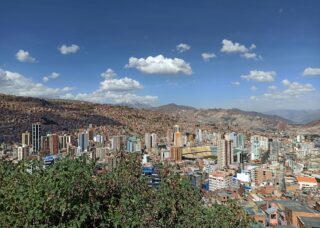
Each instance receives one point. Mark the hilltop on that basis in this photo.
(17, 114)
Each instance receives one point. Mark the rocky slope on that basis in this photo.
(17, 114)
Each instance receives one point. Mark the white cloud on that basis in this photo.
(64, 49)
(253, 88)
(109, 91)
(249, 55)
(311, 71)
(160, 65)
(260, 76)
(24, 56)
(108, 96)
(53, 75)
(235, 83)
(233, 47)
(109, 74)
(123, 84)
(207, 56)
(17, 84)
(293, 90)
(229, 47)
(182, 47)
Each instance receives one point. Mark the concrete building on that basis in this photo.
(83, 141)
(36, 137)
(26, 139)
(259, 144)
(306, 182)
(22, 152)
(176, 153)
(54, 144)
(178, 139)
(219, 180)
(225, 153)
(133, 144)
(118, 142)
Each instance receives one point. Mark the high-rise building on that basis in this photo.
(147, 140)
(22, 152)
(26, 138)
(225, 153)
(169, 137)
(54, 143)
(259, 144)
(45, 145)
(36, 137)
(176, 128)
(154, 140)
(118, 142)
(177, 139)
(83, 141)
(176, 153)
(199, 135)
(64, 140)
(133, 144)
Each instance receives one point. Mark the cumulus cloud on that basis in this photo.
(235, 83)
(233, 47)
(109, 91)
(229, 47)
(122, 84)
(71, 49)
(17, 84)
(311, 71)
(293, 90)
(260, 76)
(160, 65)
(53, 75)
(208, 56)
(182, 47)
(108, 96)
(249, 55)
(109, 74)
(24, 56)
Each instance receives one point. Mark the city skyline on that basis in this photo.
(253, 56)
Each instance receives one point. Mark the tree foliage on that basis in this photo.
(69, 193)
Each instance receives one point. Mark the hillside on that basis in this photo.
(226, 117)
(17, 114)
(297, 116)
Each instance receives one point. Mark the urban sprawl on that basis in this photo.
(274, 178)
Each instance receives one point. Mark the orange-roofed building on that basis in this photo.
(306, 182)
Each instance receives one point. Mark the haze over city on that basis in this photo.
(250, 55)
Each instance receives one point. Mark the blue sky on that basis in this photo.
(253, 55)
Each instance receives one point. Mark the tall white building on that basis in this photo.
(259, 144)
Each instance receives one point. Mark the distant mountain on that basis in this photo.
(297, 116)
(225, 117)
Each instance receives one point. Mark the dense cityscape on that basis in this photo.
(160, 113)
(275, 179)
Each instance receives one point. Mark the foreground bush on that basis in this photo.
(70, 194)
